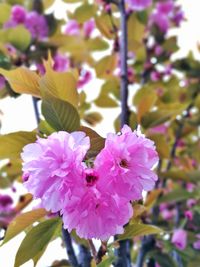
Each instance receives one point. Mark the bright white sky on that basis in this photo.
(18, 115)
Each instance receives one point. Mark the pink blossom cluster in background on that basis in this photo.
(166, 13)
(93, 196)
(74, 28)
(2, 82)
(34, 22)
(139, 5)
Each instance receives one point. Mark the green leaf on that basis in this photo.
(134, 229)
(105, 67)
(60, 115)
(84, 12)
(93, 118)
(11, 144)
(72, 1)
(21, 222)
(109, 94)
(162, 145)
(5, 10)
(22, 80)
(154, 118)
(36, 240)
(97, 44)
(19, 36)
(104, 25)
(61, 85)
(96, 141)
(45, 128)
(178, 195)
(107, 261)
(163, 259)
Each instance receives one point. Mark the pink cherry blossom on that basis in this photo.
(88, 27)
(196, 245)
(84, 78)
(188, 214)
(2, 82)
(139, 5)
(165, 7)
(191, 202)
(72, 28)
(18, 14)
(96, 213)
(36, 24)
(161, 21)
(61, 63)
(179, 239)
(53, 167)
(6, 203)
(159, 129)
(127, 160)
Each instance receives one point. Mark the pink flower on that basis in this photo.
(61, 63)
(179, 239)
(88, 27)
(53, 167)
(165, 7)
(2, 82)
(159, 129)
(191, 202)
(72, 28)
(178, 17)
(161, 21)
(125, 164)
(139, 5)
(36, 24)
(188, 214)
(18, 14)
(155, 76)
(96, 213)
(196, 245)
(84, 78)
(5, 204)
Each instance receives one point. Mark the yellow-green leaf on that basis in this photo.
(5, 10)
(106, 262)
(60, 115)
(11, 144)
(105, 26)
(84, 12)
(145, 105)
(93, 118)
(21, 222)
(36, 240)
(19, 36)
(139, 230)
(61, 85)
(105, 67)
(22, 80)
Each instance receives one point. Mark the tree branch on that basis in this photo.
(70, 250)
(35, 106)
(123, 252)
(123, 62)
(84, 257)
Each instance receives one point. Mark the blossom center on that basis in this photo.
(123, 163)
(91, 179)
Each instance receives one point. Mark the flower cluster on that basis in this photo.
(33, 21)
(92, 199)
(166, 12)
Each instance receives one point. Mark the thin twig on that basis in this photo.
(93, 249)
